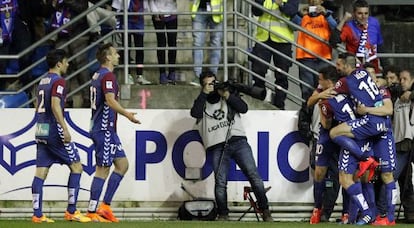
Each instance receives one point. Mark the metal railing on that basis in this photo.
(240, 28)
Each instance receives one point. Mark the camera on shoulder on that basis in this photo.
(235, 87)
(396, 90)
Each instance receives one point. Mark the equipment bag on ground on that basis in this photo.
(198, 210)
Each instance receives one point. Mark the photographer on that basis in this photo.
(393, 82)
(218, 119)
(404, 133)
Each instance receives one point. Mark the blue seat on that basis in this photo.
(13, 101)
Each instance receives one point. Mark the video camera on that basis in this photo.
(395, 90)
(234, 87)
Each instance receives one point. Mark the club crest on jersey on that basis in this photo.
(338, 84)
(324, 110)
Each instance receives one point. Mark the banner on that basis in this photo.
(160, 152)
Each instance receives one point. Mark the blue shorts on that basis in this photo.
(368, 126)
(326, 150)
(56, 152)
(107, 147)
(348, 163)
(384, 151)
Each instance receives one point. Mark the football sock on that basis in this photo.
(352, 211)
(355, 192)
(350, 145)
(73, 191)
(37, 193)
(345, 201)
(368, 191)
(391, 196)
(113, 184)
(96, 190)
(318, 190)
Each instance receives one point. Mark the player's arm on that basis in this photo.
(58, 113)
(326, 120)
(316, 96)
(338, 35)
(114, 105)
(385, 110)
(313, 99)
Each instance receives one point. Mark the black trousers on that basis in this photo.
(279, 61)
(165, 37)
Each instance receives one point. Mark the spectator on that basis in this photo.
(65, 10)
(361, 34)
(219, 107)
(54, 144)
(135, 22)
(98, 14)
(207, 14)
(280, 40)
(319, 21)
(164, 20)
(15, 36)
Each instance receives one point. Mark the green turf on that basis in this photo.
(173, 224)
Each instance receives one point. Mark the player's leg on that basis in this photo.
(37, 193)
(348, 166)
(67, 153)
(384, 148)
(103, 165)
(343, 136)
(43, 162)
(118, 158)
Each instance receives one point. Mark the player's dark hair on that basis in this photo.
(368, 65)
(102, 52)
(360, 4)
(54, 56)
(330, 73)
(348, 58)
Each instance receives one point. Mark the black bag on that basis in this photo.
(201, 209)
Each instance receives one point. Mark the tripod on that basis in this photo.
(247, 194)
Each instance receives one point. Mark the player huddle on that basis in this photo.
(355, 117)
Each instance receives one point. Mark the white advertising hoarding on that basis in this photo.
(159, 151)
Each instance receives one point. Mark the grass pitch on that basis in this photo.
(172, 224)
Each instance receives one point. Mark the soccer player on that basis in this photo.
(54, 140)
(326, 151)
(385, 152)
(108, 148)
(337, 110)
